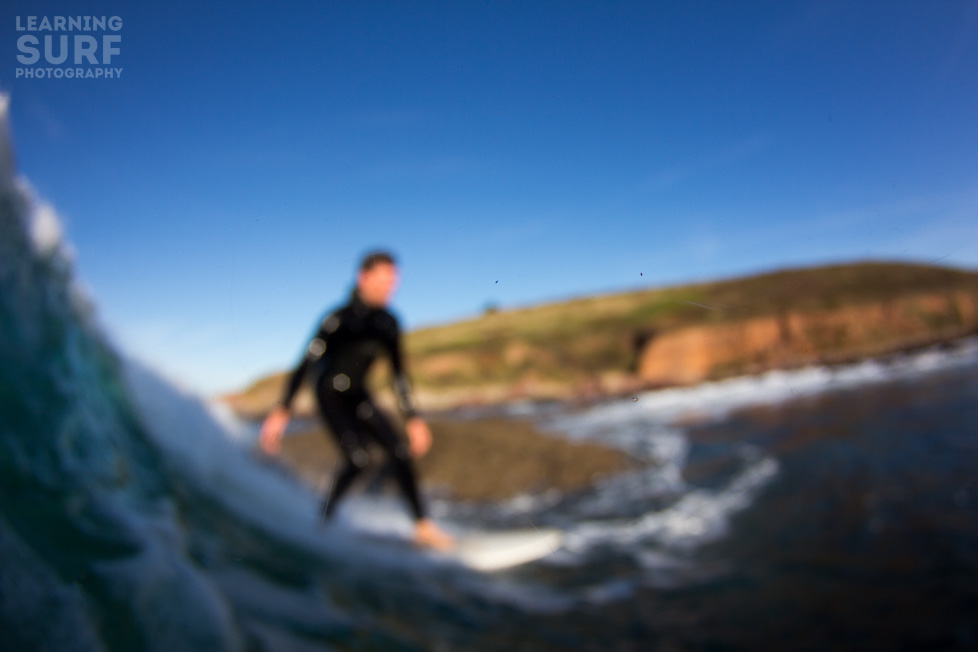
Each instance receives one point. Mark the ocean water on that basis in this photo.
(813, 509)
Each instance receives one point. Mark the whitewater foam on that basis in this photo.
(198, 446)
(617, 422)
(697, 517)
(653, 515)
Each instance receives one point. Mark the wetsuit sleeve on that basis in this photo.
(313, 352)
(402, 384)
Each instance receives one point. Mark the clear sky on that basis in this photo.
(219, 193)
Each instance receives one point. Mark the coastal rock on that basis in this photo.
(697, 353)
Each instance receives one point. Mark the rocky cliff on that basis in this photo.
(789, 339)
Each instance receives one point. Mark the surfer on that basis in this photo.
(341, 352)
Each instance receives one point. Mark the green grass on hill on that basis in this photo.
(586, 335)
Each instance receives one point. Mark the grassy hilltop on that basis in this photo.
(622, 342)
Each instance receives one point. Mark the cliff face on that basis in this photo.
(697, 353)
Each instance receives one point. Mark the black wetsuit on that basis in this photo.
(347, 343)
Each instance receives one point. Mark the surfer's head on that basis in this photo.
(377, 278)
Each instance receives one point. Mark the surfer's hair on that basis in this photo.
(375, 258)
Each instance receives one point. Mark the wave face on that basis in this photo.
(93, 553)
(75, 465)
(129, 520)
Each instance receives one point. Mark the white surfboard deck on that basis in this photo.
(489, 551)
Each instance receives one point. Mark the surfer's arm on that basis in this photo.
(315, 350)
(277, 420)
(418, 432)
(419, 436)
(272, 429)
(274, 425)
(295, 380)
(402, 384)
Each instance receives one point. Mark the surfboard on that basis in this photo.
(482, 551)
(490, 551)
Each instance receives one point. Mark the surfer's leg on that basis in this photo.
(426, 533)
(355, 458)
(398, 454)
(348, 433)
(341, 482)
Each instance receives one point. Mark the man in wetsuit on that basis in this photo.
(347, 343)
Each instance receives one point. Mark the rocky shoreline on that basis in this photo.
(474, 460)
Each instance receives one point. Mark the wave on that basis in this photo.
(130, 516)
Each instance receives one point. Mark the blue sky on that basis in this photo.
(219, 193)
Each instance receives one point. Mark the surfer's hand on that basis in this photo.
(272, 429)
(419, 435)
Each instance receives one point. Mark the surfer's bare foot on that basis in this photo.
(427, 534)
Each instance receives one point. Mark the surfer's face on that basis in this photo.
(377, 284)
